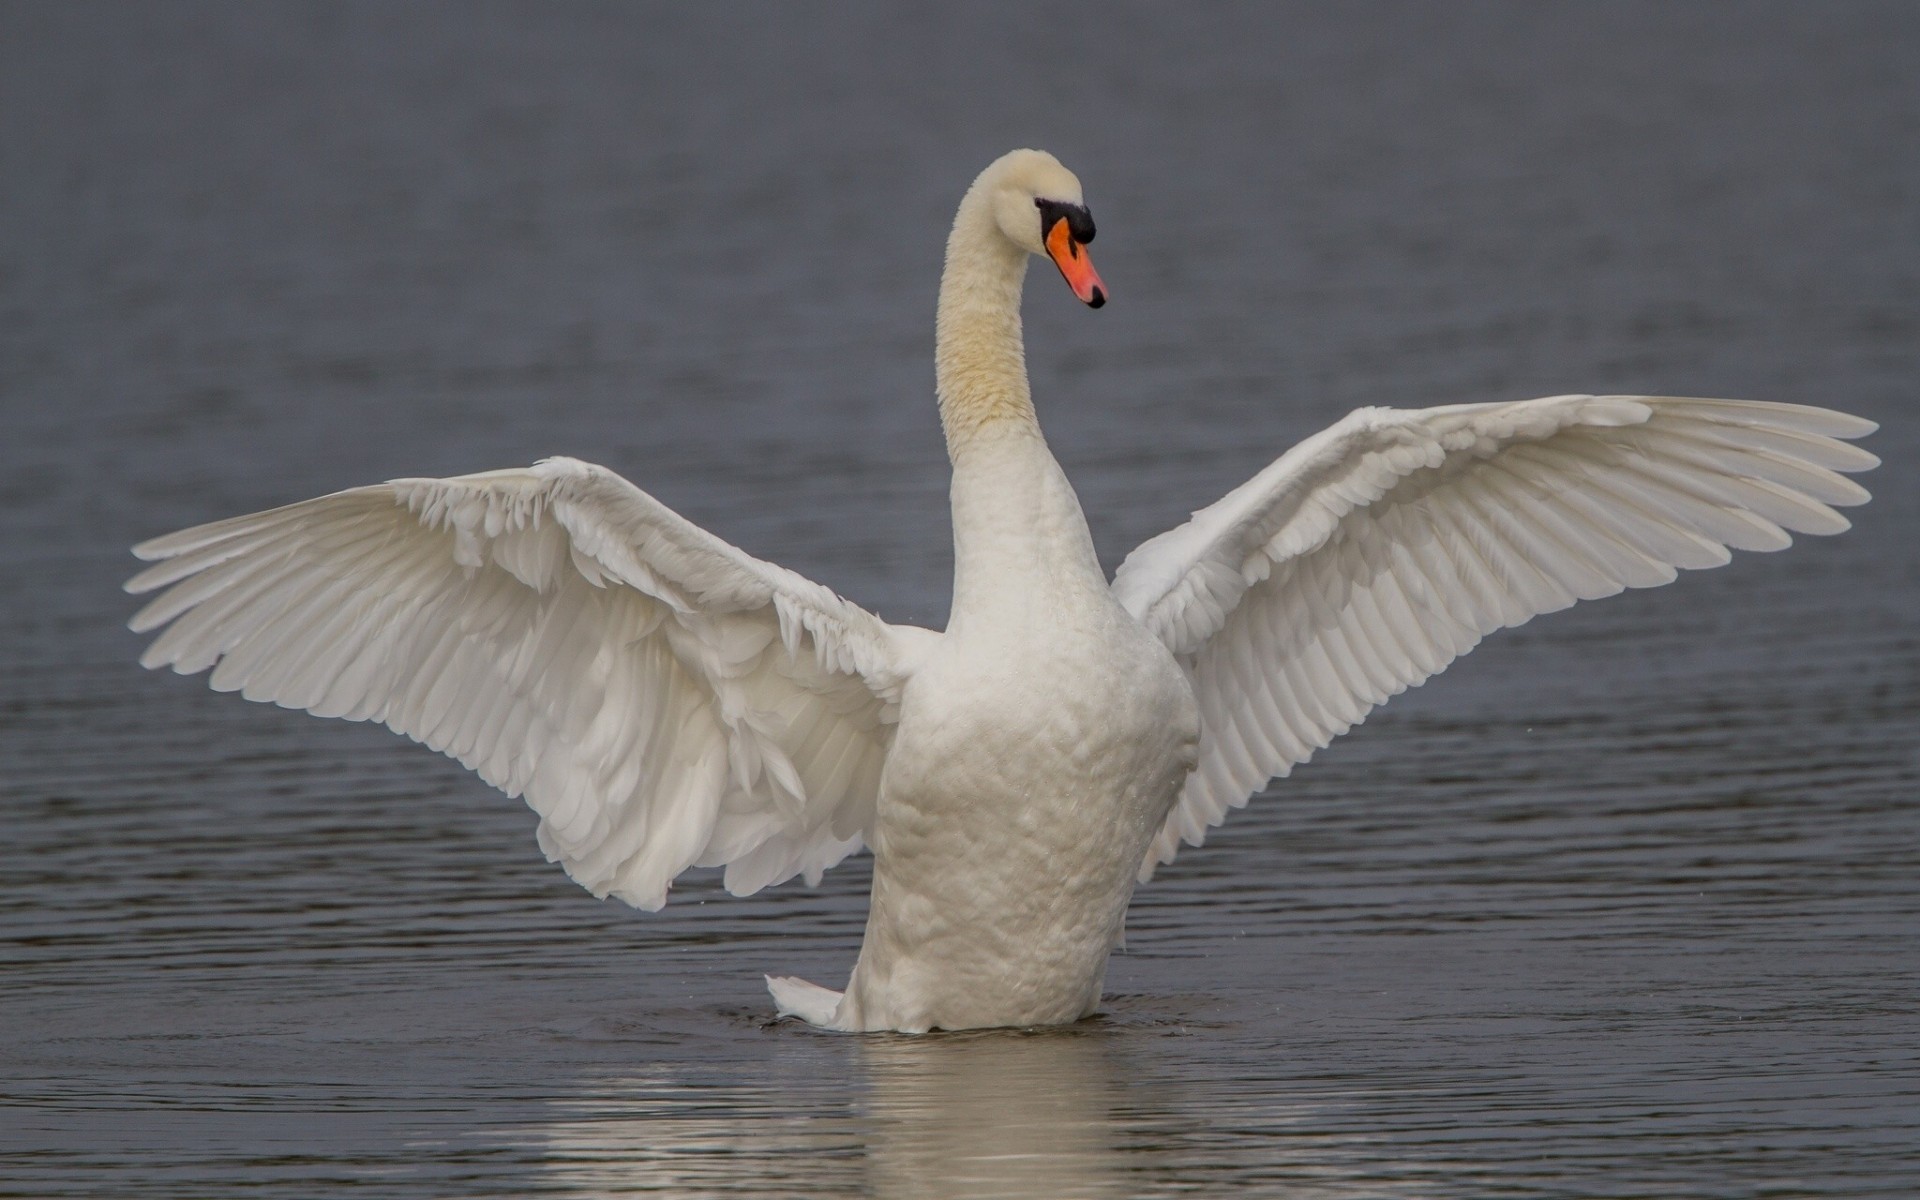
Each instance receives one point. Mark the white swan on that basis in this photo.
(664, 700)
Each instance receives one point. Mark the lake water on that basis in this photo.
(1626, 904)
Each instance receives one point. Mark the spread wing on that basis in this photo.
(1373, 554)
(660, 698)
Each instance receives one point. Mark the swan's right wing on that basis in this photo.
(1373, 554)
(661, 698)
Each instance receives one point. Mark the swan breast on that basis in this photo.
(1064, 746)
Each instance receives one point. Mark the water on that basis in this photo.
(1625, 904)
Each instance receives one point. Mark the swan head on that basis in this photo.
(1038, 205)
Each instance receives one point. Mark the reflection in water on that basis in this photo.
(1043, 1115)
(986, 1114)
(994, 1114)
(655, 1133)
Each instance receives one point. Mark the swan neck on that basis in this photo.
(979, 361)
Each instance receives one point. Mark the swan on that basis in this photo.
(664, 700)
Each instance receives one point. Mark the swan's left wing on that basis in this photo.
(662, 699)
(1373, 554)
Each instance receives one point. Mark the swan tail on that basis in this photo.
(809, 1001)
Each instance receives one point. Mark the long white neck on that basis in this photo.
(1021, 546)
(980, 364)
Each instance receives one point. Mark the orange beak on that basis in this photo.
(1071, 257)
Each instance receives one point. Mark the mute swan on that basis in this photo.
(664, 700)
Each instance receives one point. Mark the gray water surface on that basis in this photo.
(1625, 904)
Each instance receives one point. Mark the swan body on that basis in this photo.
(664, 700)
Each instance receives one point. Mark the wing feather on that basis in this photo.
(1367, 558)
(659, 697)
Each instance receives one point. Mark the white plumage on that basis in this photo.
(660, 698)
(1376, 552)
(664, 700)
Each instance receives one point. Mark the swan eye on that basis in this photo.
(1079, 220)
